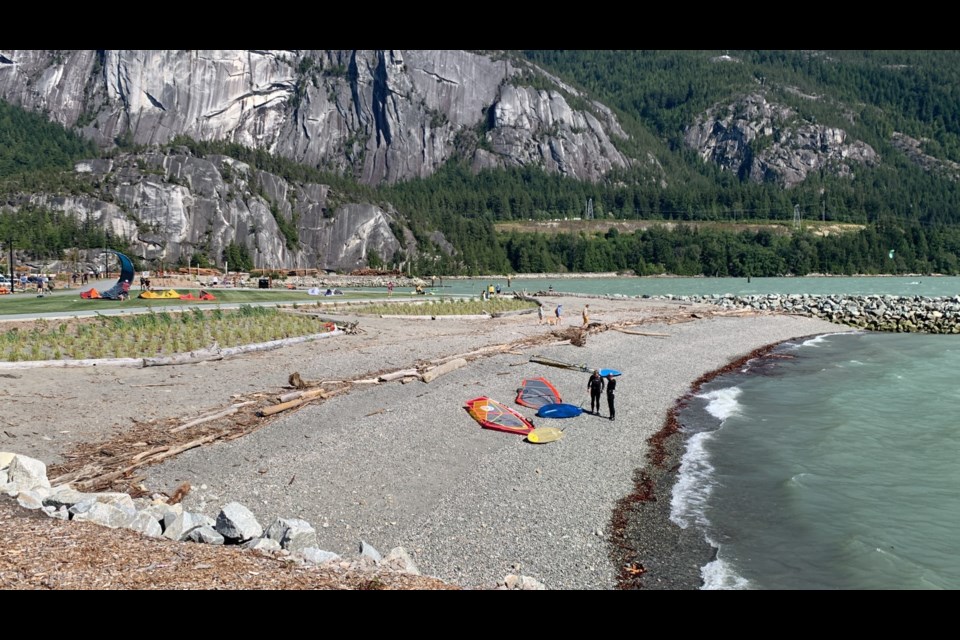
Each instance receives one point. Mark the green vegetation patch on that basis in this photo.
(152, 334)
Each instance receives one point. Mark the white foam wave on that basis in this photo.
(719, 575)
(694, 484)
(722, 403)
(823, 338)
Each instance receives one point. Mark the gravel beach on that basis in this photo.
(395, 464)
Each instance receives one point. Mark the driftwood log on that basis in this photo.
(213, 352)
(214, 416)
(434, 373)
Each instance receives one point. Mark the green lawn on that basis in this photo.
(69, 301)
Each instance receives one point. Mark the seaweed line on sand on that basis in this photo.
(645, 511)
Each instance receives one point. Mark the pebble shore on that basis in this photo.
(403, 465)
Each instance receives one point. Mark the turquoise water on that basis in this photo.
(836, 468)
(930, 286)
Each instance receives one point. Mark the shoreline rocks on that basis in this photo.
(887, 313)
(25, 479)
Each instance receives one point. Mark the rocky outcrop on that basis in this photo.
(382, 115)
(764, 142)
(913, 149)
(171, 206)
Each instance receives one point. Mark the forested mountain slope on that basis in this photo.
(410, 159)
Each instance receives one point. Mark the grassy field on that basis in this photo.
(779, 227)
(166, 326)
(70, 301)
(153, 333)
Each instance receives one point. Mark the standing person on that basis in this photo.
(40, 286)
(611, 388)
(595, 387)
(559, 313)
(586, 315)
(390, 288)
(540, 314)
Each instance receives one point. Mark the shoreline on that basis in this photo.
(473, 505)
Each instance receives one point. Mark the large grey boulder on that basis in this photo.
(236, 523)
(292, 534)
(314, 555)
(205, 534)
(107, 515)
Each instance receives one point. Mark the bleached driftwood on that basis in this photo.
(277, 408)
(200, 355)
(432, 374)
(221, 414)
(87, 362)
(403, 373)
(103, 480)
(640, 333)
(302, 398)
(306, 394)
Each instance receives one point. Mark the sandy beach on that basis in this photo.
(396, 464)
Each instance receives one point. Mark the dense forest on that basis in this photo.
(911, 214)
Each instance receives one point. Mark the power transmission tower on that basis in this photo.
(589, 214)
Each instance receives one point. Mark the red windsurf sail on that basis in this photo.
(494, 415)
(537, 392)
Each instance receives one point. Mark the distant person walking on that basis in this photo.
(559, 313)
(595, 388)
(586, 315)
(611, 396)
(540, 314)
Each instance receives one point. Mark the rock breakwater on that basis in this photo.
(898, 314)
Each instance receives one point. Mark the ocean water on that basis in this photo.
(928, 286)
(831, 464)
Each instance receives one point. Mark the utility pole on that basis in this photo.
(10, 264)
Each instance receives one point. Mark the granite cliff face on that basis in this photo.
(173, 206)
(381, 115)
(765, 142)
